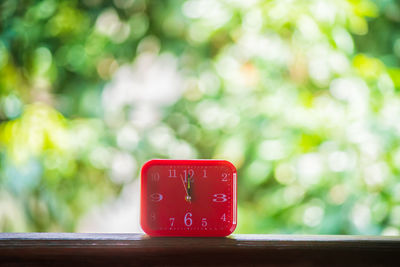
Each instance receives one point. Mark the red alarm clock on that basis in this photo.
(188, 198)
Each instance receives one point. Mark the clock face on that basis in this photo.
(188, 198)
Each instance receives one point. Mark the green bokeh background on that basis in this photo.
(302, 96)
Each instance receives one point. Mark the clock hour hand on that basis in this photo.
(187, 197)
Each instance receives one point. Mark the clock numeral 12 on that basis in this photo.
(186, 173)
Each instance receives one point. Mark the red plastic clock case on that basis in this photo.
(215, 167)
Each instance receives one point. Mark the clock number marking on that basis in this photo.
(189, 173)
(156, 197)
(204, 222)
(223, 217)
(204, 173)
(155, 177)
(153, 216)
(224, 177)
(219, 198)
(172, 220)
(188, 219)
(172, 173)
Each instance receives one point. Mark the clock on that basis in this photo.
(188, 198)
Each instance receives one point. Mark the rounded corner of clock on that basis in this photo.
(230, 164)
(147, 165)
(232, 228)
(227, 231)
(145, 228)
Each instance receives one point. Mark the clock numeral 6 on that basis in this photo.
(224, 177)
(156, 197)
(188, 219)
(219, 198)
(204, 222)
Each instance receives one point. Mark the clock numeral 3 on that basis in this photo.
(156, 197)
(219, 198)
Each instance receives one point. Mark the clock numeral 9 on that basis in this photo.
(224, 177)
(204, 222)
(156, 197)
(188, 219)
(155, 177)
(219, 198)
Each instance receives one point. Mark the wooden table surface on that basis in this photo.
(73, 249)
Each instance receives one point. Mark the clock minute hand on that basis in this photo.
(189, 188)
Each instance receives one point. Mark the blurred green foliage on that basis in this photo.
(302, 96)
